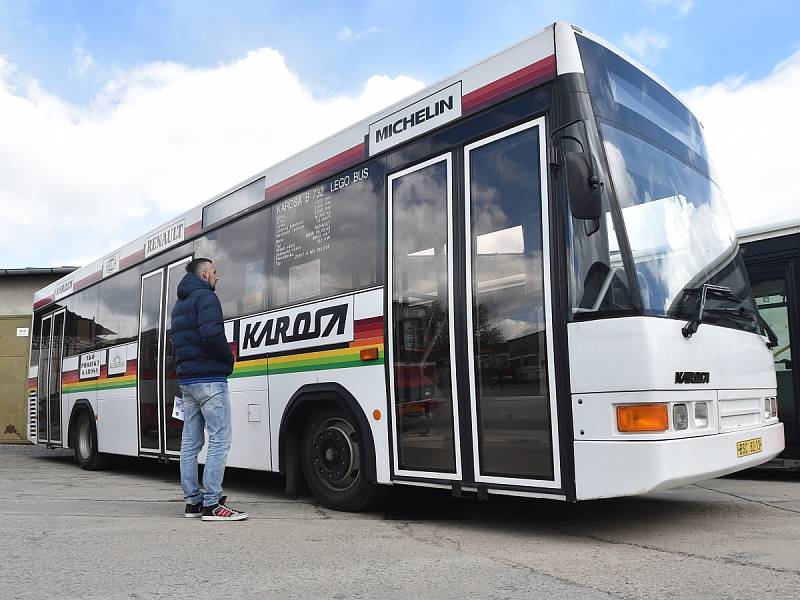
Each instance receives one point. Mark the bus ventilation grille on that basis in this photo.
(32, 416)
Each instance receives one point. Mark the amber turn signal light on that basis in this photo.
(369, 354)
(642, 417)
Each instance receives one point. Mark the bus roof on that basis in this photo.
(524, 65)
(772, 230)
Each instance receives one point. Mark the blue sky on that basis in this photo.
(705, 41)
(76, 71)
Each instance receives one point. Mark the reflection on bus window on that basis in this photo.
(118, 312)
(420, 314)
(773, 305)
(326, 240)
(509, 334)
(239, 252)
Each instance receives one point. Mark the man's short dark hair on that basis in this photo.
(196, 265)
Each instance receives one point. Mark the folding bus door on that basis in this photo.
(773, 291)
(426, 441)
(172, 427)
(509, 431)
(148, 377)
(43, 396)
(48, 417)
(509, 318)
(159, 432)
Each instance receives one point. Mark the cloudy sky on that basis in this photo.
(115, 116)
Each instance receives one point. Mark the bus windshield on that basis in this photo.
(679, 233)
(677, 226)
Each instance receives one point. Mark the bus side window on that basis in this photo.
(327, 239)
(239, 253)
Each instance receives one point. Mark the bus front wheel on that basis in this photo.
(333, 462)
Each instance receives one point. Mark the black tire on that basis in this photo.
(333, 462)
(85, 444)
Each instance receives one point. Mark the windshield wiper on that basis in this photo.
(720, 291)
(773, 338)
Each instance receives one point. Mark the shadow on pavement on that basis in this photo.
(497, 513)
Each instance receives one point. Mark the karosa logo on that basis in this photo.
(692, 376)
(321, 324)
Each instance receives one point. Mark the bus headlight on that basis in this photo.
(770, 408)
(701, 414)
(680, 416)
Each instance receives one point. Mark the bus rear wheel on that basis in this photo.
(85, 444)
(333, 462)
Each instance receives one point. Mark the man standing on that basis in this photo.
(204, 361)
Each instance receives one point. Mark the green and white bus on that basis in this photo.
(521, 280)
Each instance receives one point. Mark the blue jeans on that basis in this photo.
(205, 405)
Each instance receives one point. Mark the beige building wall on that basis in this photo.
(16, 307)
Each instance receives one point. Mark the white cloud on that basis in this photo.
(345, 34)
(155, 141)
(645, 43)
(752, 137)
(83, 61)
(681, 7)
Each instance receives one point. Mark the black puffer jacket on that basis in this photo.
(198, 334)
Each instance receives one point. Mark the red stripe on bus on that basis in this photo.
(43, 302)
(512, 83)
(369, 322)
(332, 165)
(368, 333)
(194, 228)
(88, 280)
(131, 259)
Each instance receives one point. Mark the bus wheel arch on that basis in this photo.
(82, 437)
(316, 403)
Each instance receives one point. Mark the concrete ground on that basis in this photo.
(68, 533)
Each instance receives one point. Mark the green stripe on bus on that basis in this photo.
(295, 368)
(354, 358)
(249, 371)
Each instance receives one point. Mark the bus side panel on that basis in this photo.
(117, 410)
(117, 421)
(250, 423)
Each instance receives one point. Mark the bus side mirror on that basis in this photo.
(584, 186)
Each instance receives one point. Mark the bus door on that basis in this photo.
(509, 314)
(772, 289)
(500, 422)
(49, 386)
(159, 432)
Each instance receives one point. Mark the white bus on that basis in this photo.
(521, 280)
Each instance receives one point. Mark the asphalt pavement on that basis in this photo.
(120, 533)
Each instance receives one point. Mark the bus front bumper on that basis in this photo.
(606, 469)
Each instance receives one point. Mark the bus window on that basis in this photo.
(235, 202)
(80, 330)
(325, 239)
(118, 311)
(239, 253)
